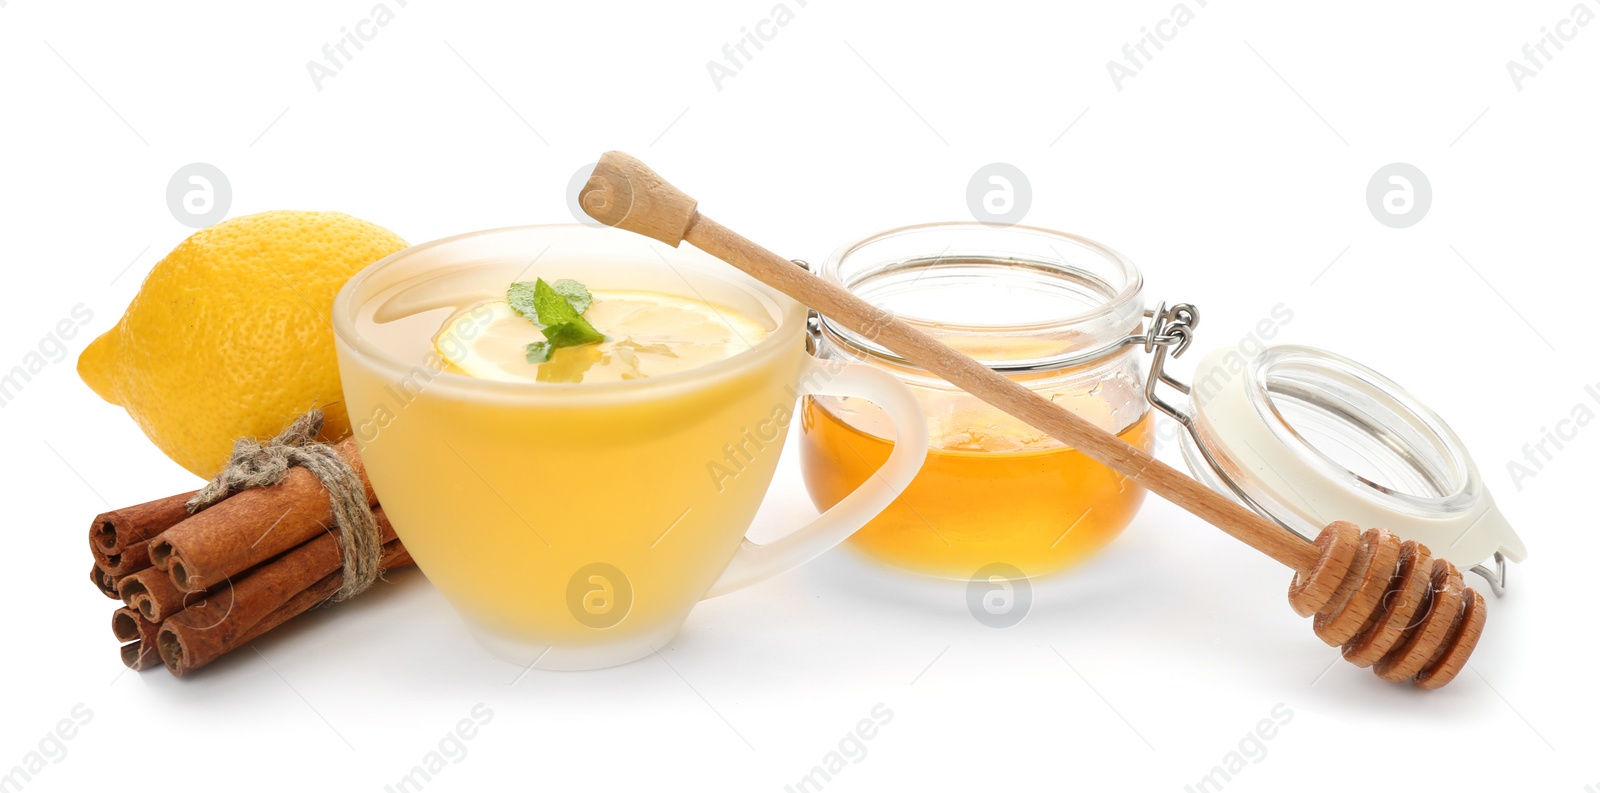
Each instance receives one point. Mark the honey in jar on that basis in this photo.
(1052, 311)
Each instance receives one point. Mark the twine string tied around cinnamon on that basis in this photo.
(254, 464)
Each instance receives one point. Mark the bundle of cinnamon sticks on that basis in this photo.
(195, 587)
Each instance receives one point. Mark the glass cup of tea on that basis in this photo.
(574, 511)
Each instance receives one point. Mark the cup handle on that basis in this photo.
(753, 562)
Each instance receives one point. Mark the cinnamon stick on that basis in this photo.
(124, 561)
(104, 582)
(115, 530)
(152, 593)
(259, 602)
(140, 634)
(395, 556)
(250, 527)
(238, 606)
(138, 656)
(119, 539)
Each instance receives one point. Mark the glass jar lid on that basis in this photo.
(1306, 437)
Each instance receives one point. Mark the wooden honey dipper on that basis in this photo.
(1389, 604)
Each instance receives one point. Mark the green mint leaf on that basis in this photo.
(520, 296)
(539, 351)
(559, 310)
(573, 334)
(576, 294)
(551, 306)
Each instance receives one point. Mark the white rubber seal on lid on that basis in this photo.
(1311, 437)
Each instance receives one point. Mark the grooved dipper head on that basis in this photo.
(624, 193)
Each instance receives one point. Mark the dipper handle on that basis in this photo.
(624, 192)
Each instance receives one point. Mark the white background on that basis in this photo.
(1233, 169)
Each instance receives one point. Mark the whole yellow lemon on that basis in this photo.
(230, 336)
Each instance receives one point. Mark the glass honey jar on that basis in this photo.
(1056, 312)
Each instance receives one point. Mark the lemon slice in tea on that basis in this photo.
(648, 334)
